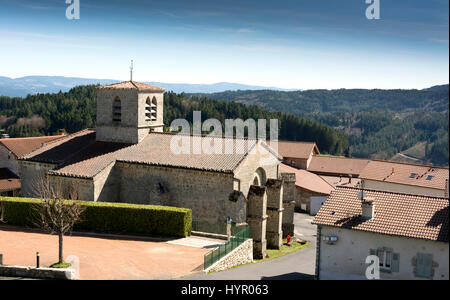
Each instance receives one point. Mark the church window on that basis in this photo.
(150, 109)
(117, 110)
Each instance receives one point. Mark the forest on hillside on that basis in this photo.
(381, 124)
(46, 114)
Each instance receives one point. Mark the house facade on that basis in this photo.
(408, 235)
(406, 178)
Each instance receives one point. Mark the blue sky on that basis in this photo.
(290, 44)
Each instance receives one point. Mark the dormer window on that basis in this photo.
(117, 110)
(151, 109)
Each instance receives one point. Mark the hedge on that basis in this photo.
(102, 217)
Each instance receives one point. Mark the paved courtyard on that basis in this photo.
(109, 257)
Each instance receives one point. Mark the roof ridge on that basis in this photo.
(387, 192)
(409, 164)
(341, 157)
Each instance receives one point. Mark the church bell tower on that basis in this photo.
(128, 111)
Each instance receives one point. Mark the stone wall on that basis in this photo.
(239, 256)
(289, 196)
(30, 174)
(84, 187)
(208, 194)
(41, 273)
(256, 163)
(107, 185)
(133, 127)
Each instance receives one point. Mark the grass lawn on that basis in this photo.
(63, 265)
(285, 250)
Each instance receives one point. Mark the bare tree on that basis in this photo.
(58, 210)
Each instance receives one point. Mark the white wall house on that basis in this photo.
(408, 234)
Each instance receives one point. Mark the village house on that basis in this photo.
(128, 158)
(408, 233)
(311, 190)
(338, 171)
(297, 154)
(406, 178)
(11, 149)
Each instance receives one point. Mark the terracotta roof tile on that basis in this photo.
(79, 155)
(308, 181)
(22, 146)
(337, 165)
(133, 85)
(302, 150)
(402, 173)
(411, 216)
(342, 181)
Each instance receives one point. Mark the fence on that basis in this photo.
(236, 240)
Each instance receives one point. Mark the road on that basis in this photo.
(299, 265)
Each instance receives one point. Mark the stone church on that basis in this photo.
(127, 158)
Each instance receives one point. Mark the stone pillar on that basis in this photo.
(275, 213)
(257, 219)
(289, 196)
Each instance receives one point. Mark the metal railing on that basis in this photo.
(235, 241)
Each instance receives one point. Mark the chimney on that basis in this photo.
(368, 209)
(350, 179)
(446, 188)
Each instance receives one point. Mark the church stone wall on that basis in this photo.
(84, 187)
(106, 185)
(247, 171)
(31, 172)
(133, 126)
(208, 194)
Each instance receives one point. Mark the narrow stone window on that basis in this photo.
(117, 110)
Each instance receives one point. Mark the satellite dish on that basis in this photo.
(362, 196)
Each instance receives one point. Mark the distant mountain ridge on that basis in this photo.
(20, 87)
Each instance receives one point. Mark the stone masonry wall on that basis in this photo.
(30, 173)
(206, 193)
(239, 256)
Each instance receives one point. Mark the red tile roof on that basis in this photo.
(80, 155)
(22, 146)
(404, 215)
(402, 173)
(308, 181)
(133, 85)
(334, 165)
(8, 180)
(342, 181)
(302, 150)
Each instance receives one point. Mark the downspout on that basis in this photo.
(319, 238)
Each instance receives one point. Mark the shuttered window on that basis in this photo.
(389, 261)
(424, 267)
